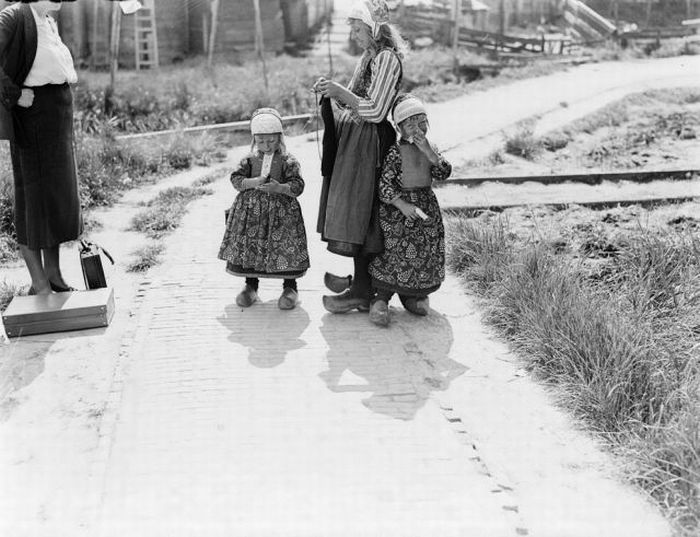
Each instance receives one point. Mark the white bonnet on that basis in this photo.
(266, 121)
(407, 107)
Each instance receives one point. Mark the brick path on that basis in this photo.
(264, 422)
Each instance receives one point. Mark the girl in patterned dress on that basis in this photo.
(265, 235)
(413, 261)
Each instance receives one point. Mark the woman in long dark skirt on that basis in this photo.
(37, 117)
(357, 136)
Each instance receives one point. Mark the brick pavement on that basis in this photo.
(264, 422)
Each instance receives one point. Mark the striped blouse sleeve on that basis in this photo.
(386, 70)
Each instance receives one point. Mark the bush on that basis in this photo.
(523, 143)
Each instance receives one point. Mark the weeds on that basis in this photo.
(146, 257)
(523, 143)
(623, 349)
(165, 211)
(8, 291)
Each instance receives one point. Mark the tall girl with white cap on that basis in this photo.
(265, 235)
(413, 261)
(356, 138)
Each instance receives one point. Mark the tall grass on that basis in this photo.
(623, 349)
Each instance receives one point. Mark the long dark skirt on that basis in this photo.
(413, 260)
(47, 204)
(349, 205)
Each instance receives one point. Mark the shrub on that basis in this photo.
(522, 143)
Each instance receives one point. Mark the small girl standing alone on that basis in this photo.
(413, 261)
(265, 235)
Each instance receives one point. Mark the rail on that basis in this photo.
(233, 126)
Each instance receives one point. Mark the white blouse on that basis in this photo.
(53, 63)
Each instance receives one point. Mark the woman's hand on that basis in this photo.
(275, 187)
(26, 99)
(329, 88)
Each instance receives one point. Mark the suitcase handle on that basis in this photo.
(86, 246)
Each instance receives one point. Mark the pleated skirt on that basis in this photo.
(47, 202)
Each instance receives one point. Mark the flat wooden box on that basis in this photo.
(59, 312)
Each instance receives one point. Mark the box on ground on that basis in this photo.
(59, 312)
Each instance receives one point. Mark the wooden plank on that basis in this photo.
(232, 126)
(560, 206)
(588, 178)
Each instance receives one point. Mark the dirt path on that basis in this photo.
(189, 416)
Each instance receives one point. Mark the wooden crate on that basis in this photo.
(59, 312)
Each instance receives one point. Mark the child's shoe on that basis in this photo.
(288, 299)
(247, 297)
(417, 306)
(379, 313)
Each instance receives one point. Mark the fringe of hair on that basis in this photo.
(282, 148)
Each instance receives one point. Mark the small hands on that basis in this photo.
(422, 143)
(275, 187)
(26, 99)
(409, 210)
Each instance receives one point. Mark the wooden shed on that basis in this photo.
(183, 27)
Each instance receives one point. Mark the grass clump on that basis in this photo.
(147, 257)
(523, 143)
(623, 347)
(164, 213)
(8, 291)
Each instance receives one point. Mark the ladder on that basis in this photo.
(145, 36)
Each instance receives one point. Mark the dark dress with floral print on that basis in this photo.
(413, 260)
(265, 235)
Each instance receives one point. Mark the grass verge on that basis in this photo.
(164, 212)
(146, 257)
(615, 330)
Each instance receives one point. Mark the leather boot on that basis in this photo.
(379, 313)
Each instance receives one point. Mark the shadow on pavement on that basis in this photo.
(399, 367)
(21, 363)
(267, 332)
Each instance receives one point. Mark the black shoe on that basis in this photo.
(344, 303)
(337, 284)
(60, 289)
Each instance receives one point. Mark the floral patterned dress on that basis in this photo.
(265, 235)
(413, 260)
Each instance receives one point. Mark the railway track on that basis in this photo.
(477, 194)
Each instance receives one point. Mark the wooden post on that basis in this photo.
(95, 34)
(456, 5)
(259, 44)
(114, 43)
(502, 16)
(212, 33)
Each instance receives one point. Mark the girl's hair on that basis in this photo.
(390, 37)
(282, 148)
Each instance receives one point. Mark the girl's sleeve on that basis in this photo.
(390, 179)
(242, 172)
(386, 69)
(441, 170)
(9, 91)
(292, 175)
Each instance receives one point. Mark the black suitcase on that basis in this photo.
(91, 263)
